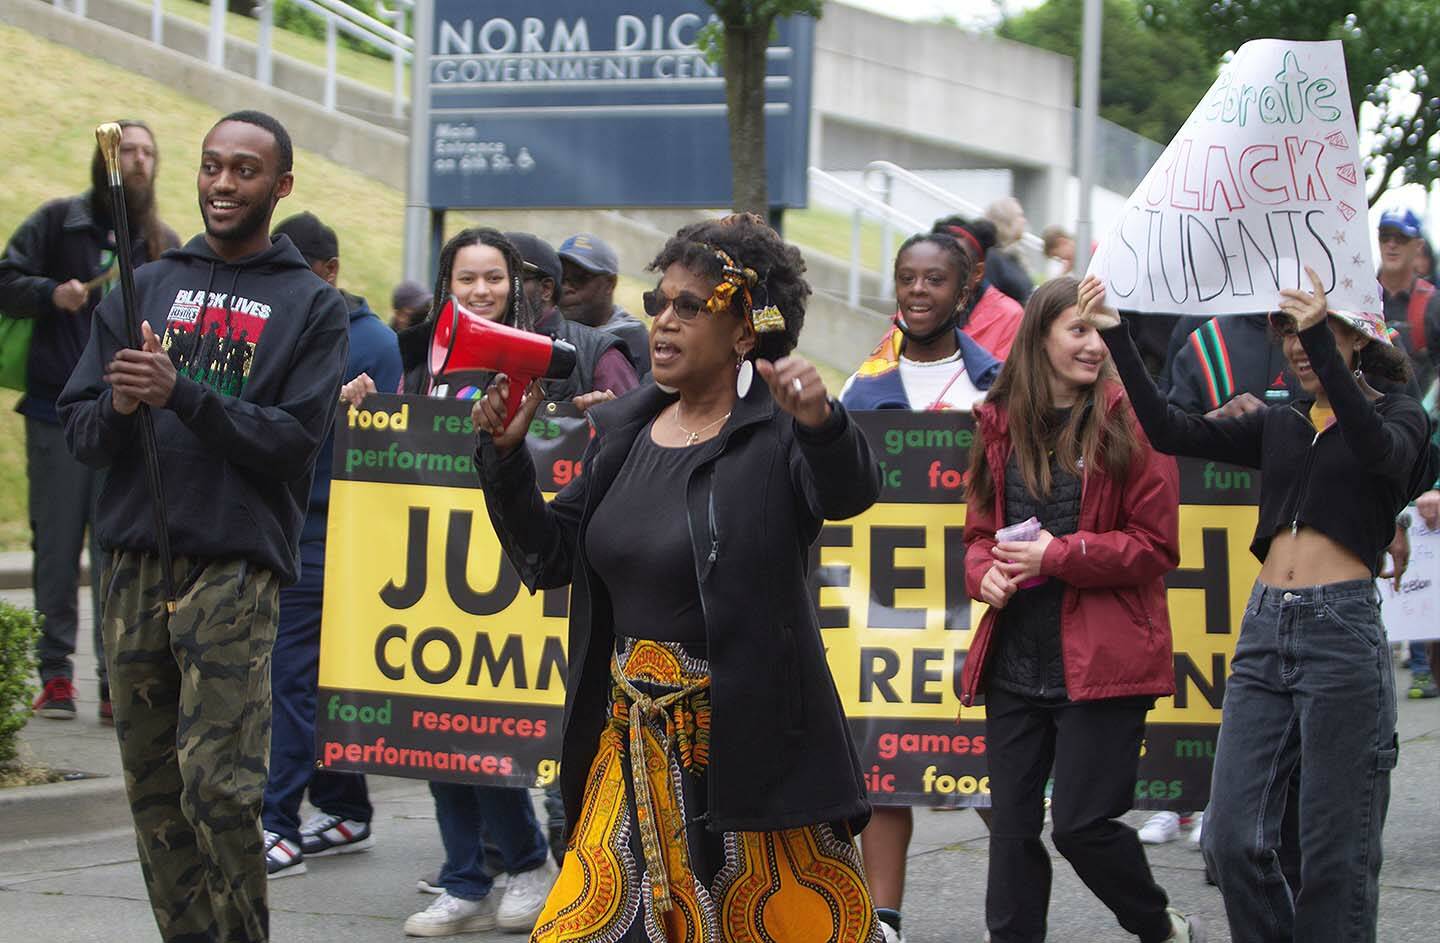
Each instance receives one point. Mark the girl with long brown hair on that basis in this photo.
(1071, 525)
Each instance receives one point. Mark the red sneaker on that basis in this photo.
(57, 701)
(107, 713)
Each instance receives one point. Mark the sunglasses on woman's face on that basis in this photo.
(685, 305)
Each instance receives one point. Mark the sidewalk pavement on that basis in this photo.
(68, 868)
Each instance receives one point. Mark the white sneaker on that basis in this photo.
(1184, 929)
(1160, 828)
(450, 915)
(525, 895)
(891, 934)
(1195, 832)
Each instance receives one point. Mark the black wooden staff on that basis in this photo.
(108, 137)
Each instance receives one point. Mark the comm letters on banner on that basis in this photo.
(436, 663)
(1264, 179)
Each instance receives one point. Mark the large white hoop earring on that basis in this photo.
(744, 377)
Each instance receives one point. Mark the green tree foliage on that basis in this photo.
(1389, 45)
(739, 38)
(1150, 79)
(18, 630)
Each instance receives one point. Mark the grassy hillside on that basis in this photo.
(47, 149)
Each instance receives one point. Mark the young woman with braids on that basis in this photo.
(1075, 646)
(1311, 685)
(926, 361)
(711, 786)
(481, 269)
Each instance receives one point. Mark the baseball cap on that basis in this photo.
(410, 294)
(536, 254)
(314, 239)
(1403, 221)
(591, 253)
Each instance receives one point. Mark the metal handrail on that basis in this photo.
(339, 18)
(891, 172)
(862, 203)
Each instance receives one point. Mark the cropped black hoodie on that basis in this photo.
(1347, 482)
(259, 345)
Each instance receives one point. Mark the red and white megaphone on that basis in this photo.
(463, 340)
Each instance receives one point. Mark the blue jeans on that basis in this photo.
(1311, 686)
(467, 816)
(1419, 658)
(294, 679)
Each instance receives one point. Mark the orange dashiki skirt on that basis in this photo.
(641, 866)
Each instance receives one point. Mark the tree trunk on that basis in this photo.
(745, 69)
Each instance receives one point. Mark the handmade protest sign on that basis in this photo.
(1412, 613)
(1264, 179)
(435, 662)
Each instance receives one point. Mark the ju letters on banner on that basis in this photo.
(436, 663)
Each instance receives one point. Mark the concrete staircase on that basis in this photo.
(362, 135)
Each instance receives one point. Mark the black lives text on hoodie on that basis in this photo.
(259, 346)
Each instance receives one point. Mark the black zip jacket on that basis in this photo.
(64, 239)
(1347, 482)
(781, 753)
(1223, 357)
(259, 346)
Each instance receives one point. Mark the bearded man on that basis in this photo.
(56, 268)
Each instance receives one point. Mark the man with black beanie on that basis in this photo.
(343, 822)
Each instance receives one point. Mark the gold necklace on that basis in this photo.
(692, 437)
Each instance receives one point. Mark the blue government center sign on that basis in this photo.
(599, 103)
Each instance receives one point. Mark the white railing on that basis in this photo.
(883, 177)
(389, 38)
(860, 205)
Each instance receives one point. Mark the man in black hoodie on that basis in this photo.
(241, 367)
(54, 271)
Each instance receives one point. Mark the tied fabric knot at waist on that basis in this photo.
(643, 707)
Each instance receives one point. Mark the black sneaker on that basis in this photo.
(325, 834)
(282, 857)
(107, 711)
(57, 701)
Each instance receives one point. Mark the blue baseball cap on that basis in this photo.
(1402, 221)
(591, 253)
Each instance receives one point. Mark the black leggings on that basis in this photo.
(1094, 750)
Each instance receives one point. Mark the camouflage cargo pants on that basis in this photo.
(191, 693)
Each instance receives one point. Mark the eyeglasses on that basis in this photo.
(1390, 235)
(685, 305)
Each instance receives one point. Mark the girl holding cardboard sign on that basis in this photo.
(1311, 684)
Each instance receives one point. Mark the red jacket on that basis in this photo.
(1114, 624)
(995, 321)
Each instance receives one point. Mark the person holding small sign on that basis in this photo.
(1071, 523)
(1311, 683)
(710, 781)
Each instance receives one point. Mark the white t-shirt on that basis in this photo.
(939, 384)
